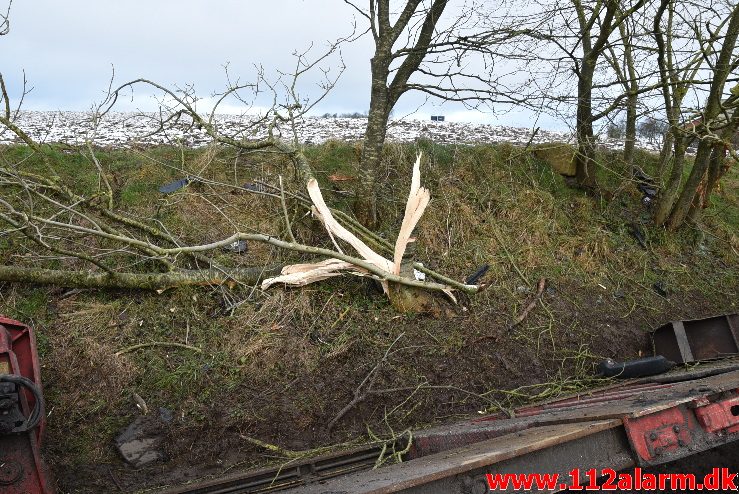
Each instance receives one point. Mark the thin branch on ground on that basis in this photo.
(157, 343)
(365, 387)
(532, 303)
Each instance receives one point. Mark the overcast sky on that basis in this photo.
(67, 49)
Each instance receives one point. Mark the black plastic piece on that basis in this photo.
(646, 185)
(173, 186)
(11, 418)
(474, 277)
(647, 366)
(661, 288)
(638, 234)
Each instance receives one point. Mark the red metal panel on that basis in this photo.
(660, 434)
(18, 347)
(719, 416)
(21, 468)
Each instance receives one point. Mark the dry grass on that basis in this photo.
(280, 365)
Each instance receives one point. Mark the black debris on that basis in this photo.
(173, 186)
(239, 247)
(647, 366)
(661, 288)
(475, 277)
(646, 185)
(636, 232)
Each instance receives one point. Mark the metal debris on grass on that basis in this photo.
(239, 247)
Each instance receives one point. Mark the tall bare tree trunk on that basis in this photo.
(719, 166)
(664, 155)
(713, 109)
(688, 195)
(630, 137)
(671, 187)
(715, 169)
(385, 93)
(631, 84)
(591, 51)
(365, 205)
(585, 159)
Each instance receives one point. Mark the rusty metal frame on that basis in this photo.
(699, 339)
(638, 423)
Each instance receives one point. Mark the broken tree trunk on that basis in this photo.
(398, 281)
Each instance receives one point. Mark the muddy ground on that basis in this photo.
(293, 413)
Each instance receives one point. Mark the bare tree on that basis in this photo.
(724, 149)
(417, 48)
(677, 200)
(624, 66)
(605, 18)
(98, 242)
(690, 44)
(560, 44)
(5, 20)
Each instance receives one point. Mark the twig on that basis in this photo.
(284, 210)
(292, 454)
(496, 233)
(364, 388)
(527, 146)
(70, 293)
(115, 480)
(288, 453)
(532, 303)
(157, 343)
(382, 458)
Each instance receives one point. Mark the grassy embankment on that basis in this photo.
(280, 365)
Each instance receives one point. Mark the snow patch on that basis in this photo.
(126, 129)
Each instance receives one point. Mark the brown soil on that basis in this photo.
(482, 356)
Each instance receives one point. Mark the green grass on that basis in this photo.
(32, 306)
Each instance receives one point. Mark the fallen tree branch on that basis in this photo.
(67, 218)
(386, 270)
(532, 303)
(157, 343)
(144, 281)
(382, 274)
(382, 245)
(364, 388)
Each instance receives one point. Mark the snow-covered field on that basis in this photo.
(125, 129)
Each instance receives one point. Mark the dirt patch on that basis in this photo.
(439, 371)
